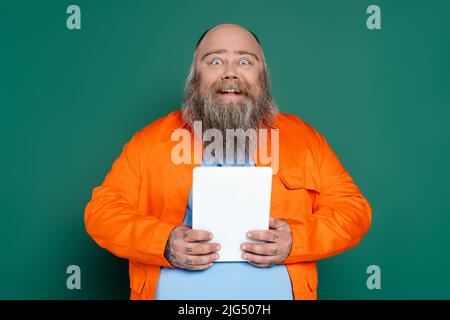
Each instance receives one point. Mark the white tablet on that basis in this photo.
(229, 202)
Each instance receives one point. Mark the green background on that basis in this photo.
(71, 99)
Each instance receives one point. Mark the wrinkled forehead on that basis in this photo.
(230, 40)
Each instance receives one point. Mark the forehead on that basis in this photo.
(229, 38)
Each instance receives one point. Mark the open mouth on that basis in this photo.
(230, 93)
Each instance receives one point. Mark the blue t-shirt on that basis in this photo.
(223, 280)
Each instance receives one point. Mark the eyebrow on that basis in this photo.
(240, 52)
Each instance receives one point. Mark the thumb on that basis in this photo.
(272, 223)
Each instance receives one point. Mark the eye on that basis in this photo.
(244, 62)
(216, 62)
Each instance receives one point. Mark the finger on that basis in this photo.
(200, 259)
(193, 235)
(201, 248)
(267, 249)
(259, 265)
(264, 235)
(259, 259)
(197, 267)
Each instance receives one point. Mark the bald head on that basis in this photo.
(228, 36)
(204, 34)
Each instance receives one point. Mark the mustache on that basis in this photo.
(236, 86)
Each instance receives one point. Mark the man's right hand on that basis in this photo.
(185, 248)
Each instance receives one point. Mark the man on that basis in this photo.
(142, 210)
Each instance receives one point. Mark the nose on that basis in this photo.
(230, 73)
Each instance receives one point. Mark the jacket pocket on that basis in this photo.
(312, 279)
(137, 278)
(301, 178)
(304, 280)
(302, 187)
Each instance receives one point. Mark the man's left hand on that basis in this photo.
(277, 246)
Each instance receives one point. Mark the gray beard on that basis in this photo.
(248, 113)
(233, 119)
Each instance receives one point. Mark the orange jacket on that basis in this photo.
(144, 196)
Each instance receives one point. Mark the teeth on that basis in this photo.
(230, 91)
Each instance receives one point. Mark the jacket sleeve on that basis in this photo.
(341, 215)
(113, 220)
